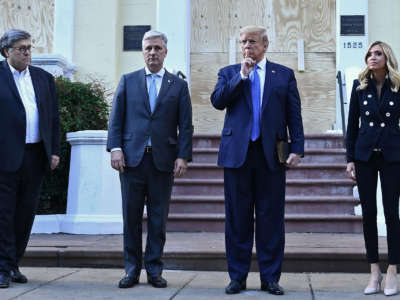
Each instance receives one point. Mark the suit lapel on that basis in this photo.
(36, 86)
(247, 91)
(9, 79)
(142, 81)
(269, 77)
(166, 83)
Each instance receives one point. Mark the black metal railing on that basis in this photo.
(339, 79)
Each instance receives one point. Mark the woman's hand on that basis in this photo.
(351, 171)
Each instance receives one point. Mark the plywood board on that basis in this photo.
(316, 86)
(214, 22)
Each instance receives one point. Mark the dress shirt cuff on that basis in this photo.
(116, 149)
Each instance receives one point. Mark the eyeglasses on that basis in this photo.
(23, 49)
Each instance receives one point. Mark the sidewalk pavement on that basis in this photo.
(79, 283)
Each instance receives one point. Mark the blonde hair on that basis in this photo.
(256, 29)
(391, 68)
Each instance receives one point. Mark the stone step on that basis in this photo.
(205, 251)
(293, 223)
(206, 140)
(311, 141)
(324, 156)
(294, 204)
(329, 141)
(315, 155)
(304, 187)
(303, 170)
(317, 171)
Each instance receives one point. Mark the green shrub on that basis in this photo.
(82, 106)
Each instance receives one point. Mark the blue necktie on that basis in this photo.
(153, 92)
(255, 95)
(152, 97)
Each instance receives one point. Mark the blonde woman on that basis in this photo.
(373, 145)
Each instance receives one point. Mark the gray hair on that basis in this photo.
(256, 29)
(151, 34)
(10, 37)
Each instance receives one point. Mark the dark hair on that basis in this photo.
(10, 37)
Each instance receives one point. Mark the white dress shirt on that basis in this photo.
(24, 84)
(261, 73)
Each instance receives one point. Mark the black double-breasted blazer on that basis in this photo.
(373, 123)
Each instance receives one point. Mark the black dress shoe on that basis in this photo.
(272, 288)
(234, 287)
(17, 276)
(4, 280)
(128, 281)
(157, 281)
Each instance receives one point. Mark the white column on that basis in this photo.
(173, 19)
(350, 50)
(94, 193)
(63, 42)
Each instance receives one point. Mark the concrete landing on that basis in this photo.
(304, 252)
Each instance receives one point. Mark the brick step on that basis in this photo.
(303, 170)
(293, 223)
(304, 187)
(293, 205)
(311, 155)
(311, 141)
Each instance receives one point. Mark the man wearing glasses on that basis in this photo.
(29, 145)
(261, 102)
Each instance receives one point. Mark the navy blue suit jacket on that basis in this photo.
(372, 123)
(13, 116)
(281, 110)
(132, 122)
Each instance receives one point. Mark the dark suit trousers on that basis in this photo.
(140, 185)
(19, 198)
(367, 176)
(254, 190)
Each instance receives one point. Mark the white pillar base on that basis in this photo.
(92, 224)
(47, 224)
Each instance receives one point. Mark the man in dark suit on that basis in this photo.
(29, 145)
(149, 107)
(261, 101)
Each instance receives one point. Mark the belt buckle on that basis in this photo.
(377, 150)
(147, 149)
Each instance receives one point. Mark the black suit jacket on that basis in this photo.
(132, 122)
(373, 123)
(13, 116)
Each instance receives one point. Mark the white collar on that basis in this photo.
(15, 71)
(262, 63)
(159, 73)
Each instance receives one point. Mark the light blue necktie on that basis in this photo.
(153, 92)
(152, 96)
(255, 95)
